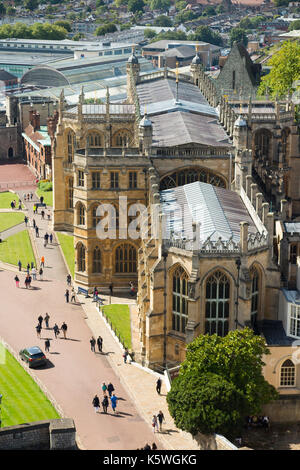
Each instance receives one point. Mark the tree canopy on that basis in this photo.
(294, 25)
(238, 35)
(163, 5)
(135, 5)
(206, 34)
(220, 383)
(106, 28)
(285, 69)
(162, 20)
(35, 31)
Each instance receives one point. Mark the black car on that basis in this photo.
(34, 356)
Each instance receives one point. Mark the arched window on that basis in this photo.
(81, 214)
(287, 374)
(179, 299)
(81, 251)
(254, 296)
(94, 140)
(183, 177)
(71, 146)
(122, 139)
(217, 304)
(70, 193)
(97, 260)
(125, 259)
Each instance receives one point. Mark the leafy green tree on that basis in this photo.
(163, 20)
(184, 16)
(294, 25)
(64, 24)
(149, 33)
(206, 34)
(31, 4)
(105, 29)
(209, 11)
(220, 9)
(220, 382)
(281, 3)
(245, 23)
(177, 35)
(180, 5)
(238, 35)
(78, 36)
(135, 5)
(21, 31)
(285, 69)
(160, 5)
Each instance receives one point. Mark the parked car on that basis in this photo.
(34, 356)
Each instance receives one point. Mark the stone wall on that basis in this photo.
(284, 410)
(42, 435)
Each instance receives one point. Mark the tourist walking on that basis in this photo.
(158, 385)
(111, 289)
(41, 274)
(38, 330)
(26, 220)
(64, 328)
(43, 261)
(96, 403)
(51, 238)
(69, 279)
(105, 404)
(113, 401)
(160, 418)
(33, 273)
(110, 389)
(47, 345)
(28, 268)
(56, 330)
(154, 423)
(73, 295)
(67, 294)
(17, 281)
(36, 231)
(42, 214)
(99, 343)
(27, 282)
(33, 223)
(92, 342)
(20, 265)
(46, 319)
(40, 320)
(125, 354)
(104, 388)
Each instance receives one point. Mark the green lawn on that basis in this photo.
(22, 400)
(17, 247)
(9, 219)
(119, 315)
(48, 196)
(6, 198)
(67, 245)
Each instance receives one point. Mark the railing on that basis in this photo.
(113, 328)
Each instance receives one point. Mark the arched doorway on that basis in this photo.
(10, 152)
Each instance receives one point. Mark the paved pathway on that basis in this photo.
(75, 373)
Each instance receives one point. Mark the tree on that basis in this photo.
(105, 29)
(184, 16)
(209, 11)
(281, 3)
(78, 36)
(162, 20)
(149, 33)
(220, 383)
(285, 69)
(294, 25)
(180, 5)
(238, 35)
(64, 24)
(135, 5)
(31, 4)
(206, 34)
(177, 35)
(160, 5)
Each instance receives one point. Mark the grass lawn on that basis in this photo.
(119, 315)
(9, 219)
(22, 400)
(48, 196)
(6, 198)
(17, 247)
(67, 245)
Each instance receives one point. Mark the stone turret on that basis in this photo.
(145, 134)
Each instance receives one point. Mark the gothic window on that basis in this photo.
(287, 374)
(217, 304)
(70, 193)
(97, 260)
(293, 254)
(81, 262)
(95, 180)
(179, 300)
(125, 259)
(122, 139)
(254, 296)
(81, 214)
(114, 180)
(183, 177)
(94, 140)
(132, 179)
(71, 146)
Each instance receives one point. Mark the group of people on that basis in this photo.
(13, 204)
(157, 421)
(31, 273)
(258, 421)
(105, 400)
(99, 343)
(28, 197)
(56, 330)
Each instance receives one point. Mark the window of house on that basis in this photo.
(81, 215)
(114, 180)
(80, 178)
(217, 304)
(287, 374)
(94, 140)
(81, 257)
(132, 179)
(294, 321)
(254, 296)
(71, 145)
(97, 260)
(95, 180)
(179, 300)
(125, 259)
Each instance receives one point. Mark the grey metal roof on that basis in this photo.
(292, 227)
(292, 296)
(218, 211)
(119, 108)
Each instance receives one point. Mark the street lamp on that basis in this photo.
(238, 265)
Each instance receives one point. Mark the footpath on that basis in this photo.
(139, 382)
